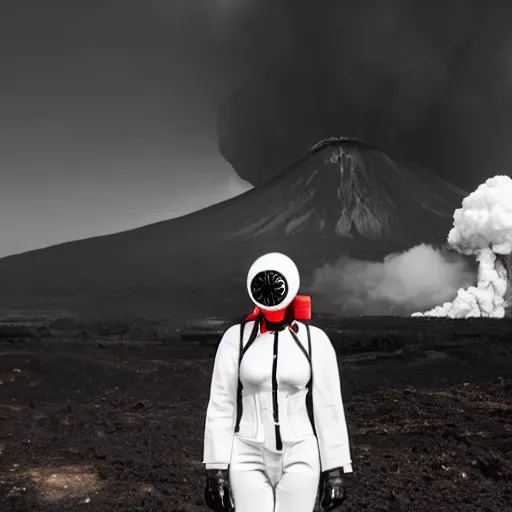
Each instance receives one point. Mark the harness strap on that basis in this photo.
(299, 344)
(241, 352)
(309, 385)
(308, 354)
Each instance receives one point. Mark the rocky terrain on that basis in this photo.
(101, 423)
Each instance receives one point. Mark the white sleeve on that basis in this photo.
(329, 413)
(221, 411)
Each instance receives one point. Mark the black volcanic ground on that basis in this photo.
(95, 422)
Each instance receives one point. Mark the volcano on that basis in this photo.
(346, 197)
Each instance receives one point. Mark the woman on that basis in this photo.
(275, 423)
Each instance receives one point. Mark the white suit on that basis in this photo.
(275, 458)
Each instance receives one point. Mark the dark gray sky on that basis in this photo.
(108, 112)
(429, 81)
(109, 108)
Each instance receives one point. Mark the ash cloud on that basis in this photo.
(428, 81)
(418, 278)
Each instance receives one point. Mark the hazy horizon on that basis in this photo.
(26, 234)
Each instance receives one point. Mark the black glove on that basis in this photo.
(217, 492)
(332, 493)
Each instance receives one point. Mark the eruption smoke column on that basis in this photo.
(483, 228)
(506, 261)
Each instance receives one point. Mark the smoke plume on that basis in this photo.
(483, 227)
(418, 278)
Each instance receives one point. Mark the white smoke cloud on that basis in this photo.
(485, 219)
(418, 278)
(483, 228)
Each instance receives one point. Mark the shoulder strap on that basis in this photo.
(250, 341)
(309, 385)
(239, 390)
(300, 345)
(242, 351)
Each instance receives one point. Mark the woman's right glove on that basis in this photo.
(332, 493)
(217, 492)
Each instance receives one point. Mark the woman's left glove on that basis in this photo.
(332, 492)
(217, 492)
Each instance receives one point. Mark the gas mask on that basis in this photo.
(273, 283)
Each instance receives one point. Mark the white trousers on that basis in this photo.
(263, 481)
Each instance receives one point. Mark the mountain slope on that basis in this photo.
(345, 197)
(348, 188)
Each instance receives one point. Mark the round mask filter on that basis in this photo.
(269, 288)
(273, 281)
